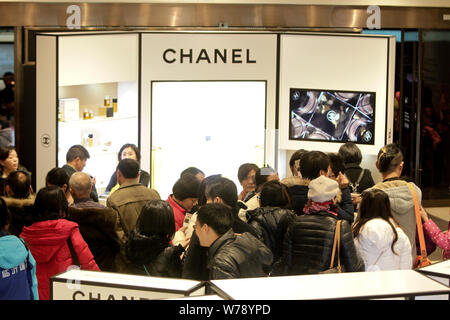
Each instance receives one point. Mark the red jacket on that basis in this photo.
(179, 213)
(47, 241)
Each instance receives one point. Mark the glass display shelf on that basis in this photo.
(93, 151)
(95, 120)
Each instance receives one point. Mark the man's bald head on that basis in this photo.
(80, 185)
(18, 184)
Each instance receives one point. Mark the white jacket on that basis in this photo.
(251, 204)
(374, 245)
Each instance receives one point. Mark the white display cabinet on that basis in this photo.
(358, 66)
(85, 68)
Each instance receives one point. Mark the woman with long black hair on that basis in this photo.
(149, 249)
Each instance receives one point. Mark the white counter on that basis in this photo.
(355, 285)
(440, 272)
(440, 269)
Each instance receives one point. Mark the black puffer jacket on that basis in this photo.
(160, 258)
(238, 256)
(309, 242)
(271, 224)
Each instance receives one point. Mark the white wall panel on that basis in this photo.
(261, 48)
(97, 59)
(45, 107)
(336, 62)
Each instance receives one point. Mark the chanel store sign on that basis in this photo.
(93, 285)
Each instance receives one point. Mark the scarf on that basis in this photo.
(314, 207)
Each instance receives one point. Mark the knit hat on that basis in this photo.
(322, 189)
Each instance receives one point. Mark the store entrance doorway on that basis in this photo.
(212, 125)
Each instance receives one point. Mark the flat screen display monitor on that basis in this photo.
(332, 115)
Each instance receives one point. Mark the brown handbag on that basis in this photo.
(421, 260)
(336, 243)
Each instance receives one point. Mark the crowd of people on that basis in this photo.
(207, 228)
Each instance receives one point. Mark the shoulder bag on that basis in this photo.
(336, 243)
(421, 260)
(75, 260)
(355, 185)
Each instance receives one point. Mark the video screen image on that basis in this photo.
(339, 116)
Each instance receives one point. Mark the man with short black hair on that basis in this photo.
(19, 200)
(184, 197)
(199, 174)
(314, 164)
(229, 255)
(223, 191)
(76, 158)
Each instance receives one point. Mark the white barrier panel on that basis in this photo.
(94, 285)
(440, 272)
(352, 285)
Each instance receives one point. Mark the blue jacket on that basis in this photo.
(17, 270)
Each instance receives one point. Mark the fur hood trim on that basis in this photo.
(339, 196)
(104, 217)
(19, 203)
(295, 181)
(390, 184)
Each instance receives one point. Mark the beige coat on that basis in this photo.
(128, 202)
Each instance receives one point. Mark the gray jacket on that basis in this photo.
(402, 205)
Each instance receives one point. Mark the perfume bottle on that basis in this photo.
(85, 114)
(107, 102)
(115, 104)
(91, 139)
